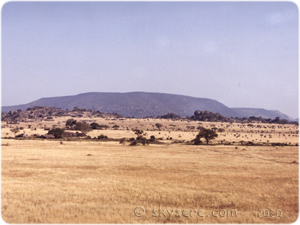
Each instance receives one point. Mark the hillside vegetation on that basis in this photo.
(144, 104)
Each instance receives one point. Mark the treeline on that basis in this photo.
(48, 113)
(216, 117)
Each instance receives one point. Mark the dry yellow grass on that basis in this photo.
(49, 182)
(175, 129)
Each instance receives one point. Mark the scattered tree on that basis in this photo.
(207, 134)
(102, 137)
(70, 122)
(140, 138)
(94, 125)
(116, 127)
(57, 132)
(152, 138)
(158, 125)
(83, 127)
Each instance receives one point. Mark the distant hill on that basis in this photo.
(247, 112)
(143, 104)
(137, 104)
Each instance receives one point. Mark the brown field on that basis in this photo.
(90, 181)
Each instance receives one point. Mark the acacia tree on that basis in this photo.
(57, 132)
(70, 122)
(94, 125)
(207, 134)
(139, 138)
(83, 127)
(158, 125)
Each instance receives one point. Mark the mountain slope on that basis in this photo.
(137, 104)
(140, 104)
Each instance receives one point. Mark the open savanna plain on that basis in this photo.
(94, 181)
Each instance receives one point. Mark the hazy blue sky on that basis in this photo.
(243, 54)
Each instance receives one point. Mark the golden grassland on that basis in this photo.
(175, 129)
(44, 181)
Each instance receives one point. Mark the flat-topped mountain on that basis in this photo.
(143, 104)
